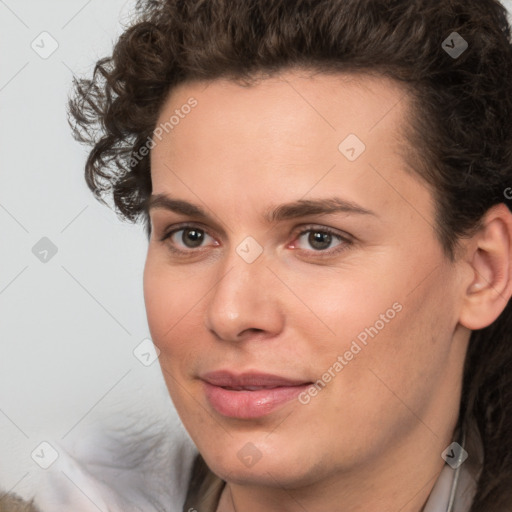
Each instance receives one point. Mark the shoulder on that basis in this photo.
(148, 473)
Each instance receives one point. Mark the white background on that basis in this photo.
(68, 327)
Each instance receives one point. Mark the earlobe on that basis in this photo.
(490, 259)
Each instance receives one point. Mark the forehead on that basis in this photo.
(330, 102)
(288, 136)
(293, 109)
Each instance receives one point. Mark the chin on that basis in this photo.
(271, 469)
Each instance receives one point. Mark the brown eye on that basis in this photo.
(192, 237)
(319, 240)
(184, 239)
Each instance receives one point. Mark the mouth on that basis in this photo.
(249, 388)
(249, 395)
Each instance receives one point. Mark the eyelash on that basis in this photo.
(346, 241)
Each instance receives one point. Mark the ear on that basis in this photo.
(489, 254)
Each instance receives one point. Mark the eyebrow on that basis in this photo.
(287, 211)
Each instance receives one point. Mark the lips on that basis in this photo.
(226, 379)
(249, 395)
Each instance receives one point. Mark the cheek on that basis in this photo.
(169, 298)
(350, 304)
(391, 323)
(408, 359)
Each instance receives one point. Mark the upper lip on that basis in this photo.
(225, 378)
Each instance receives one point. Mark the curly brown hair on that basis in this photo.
(460, 126)
(13, 503)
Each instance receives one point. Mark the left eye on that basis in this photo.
(320, 239)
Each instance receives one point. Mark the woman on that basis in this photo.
(329, 264)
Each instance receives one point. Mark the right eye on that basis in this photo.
(189, 236)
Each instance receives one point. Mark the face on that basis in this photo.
(306, 315)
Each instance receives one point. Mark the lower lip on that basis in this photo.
(250, 404)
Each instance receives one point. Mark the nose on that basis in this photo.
(245, 301)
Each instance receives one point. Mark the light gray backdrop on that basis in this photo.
(69, 321)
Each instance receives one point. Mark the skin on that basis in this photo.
(372, 439)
